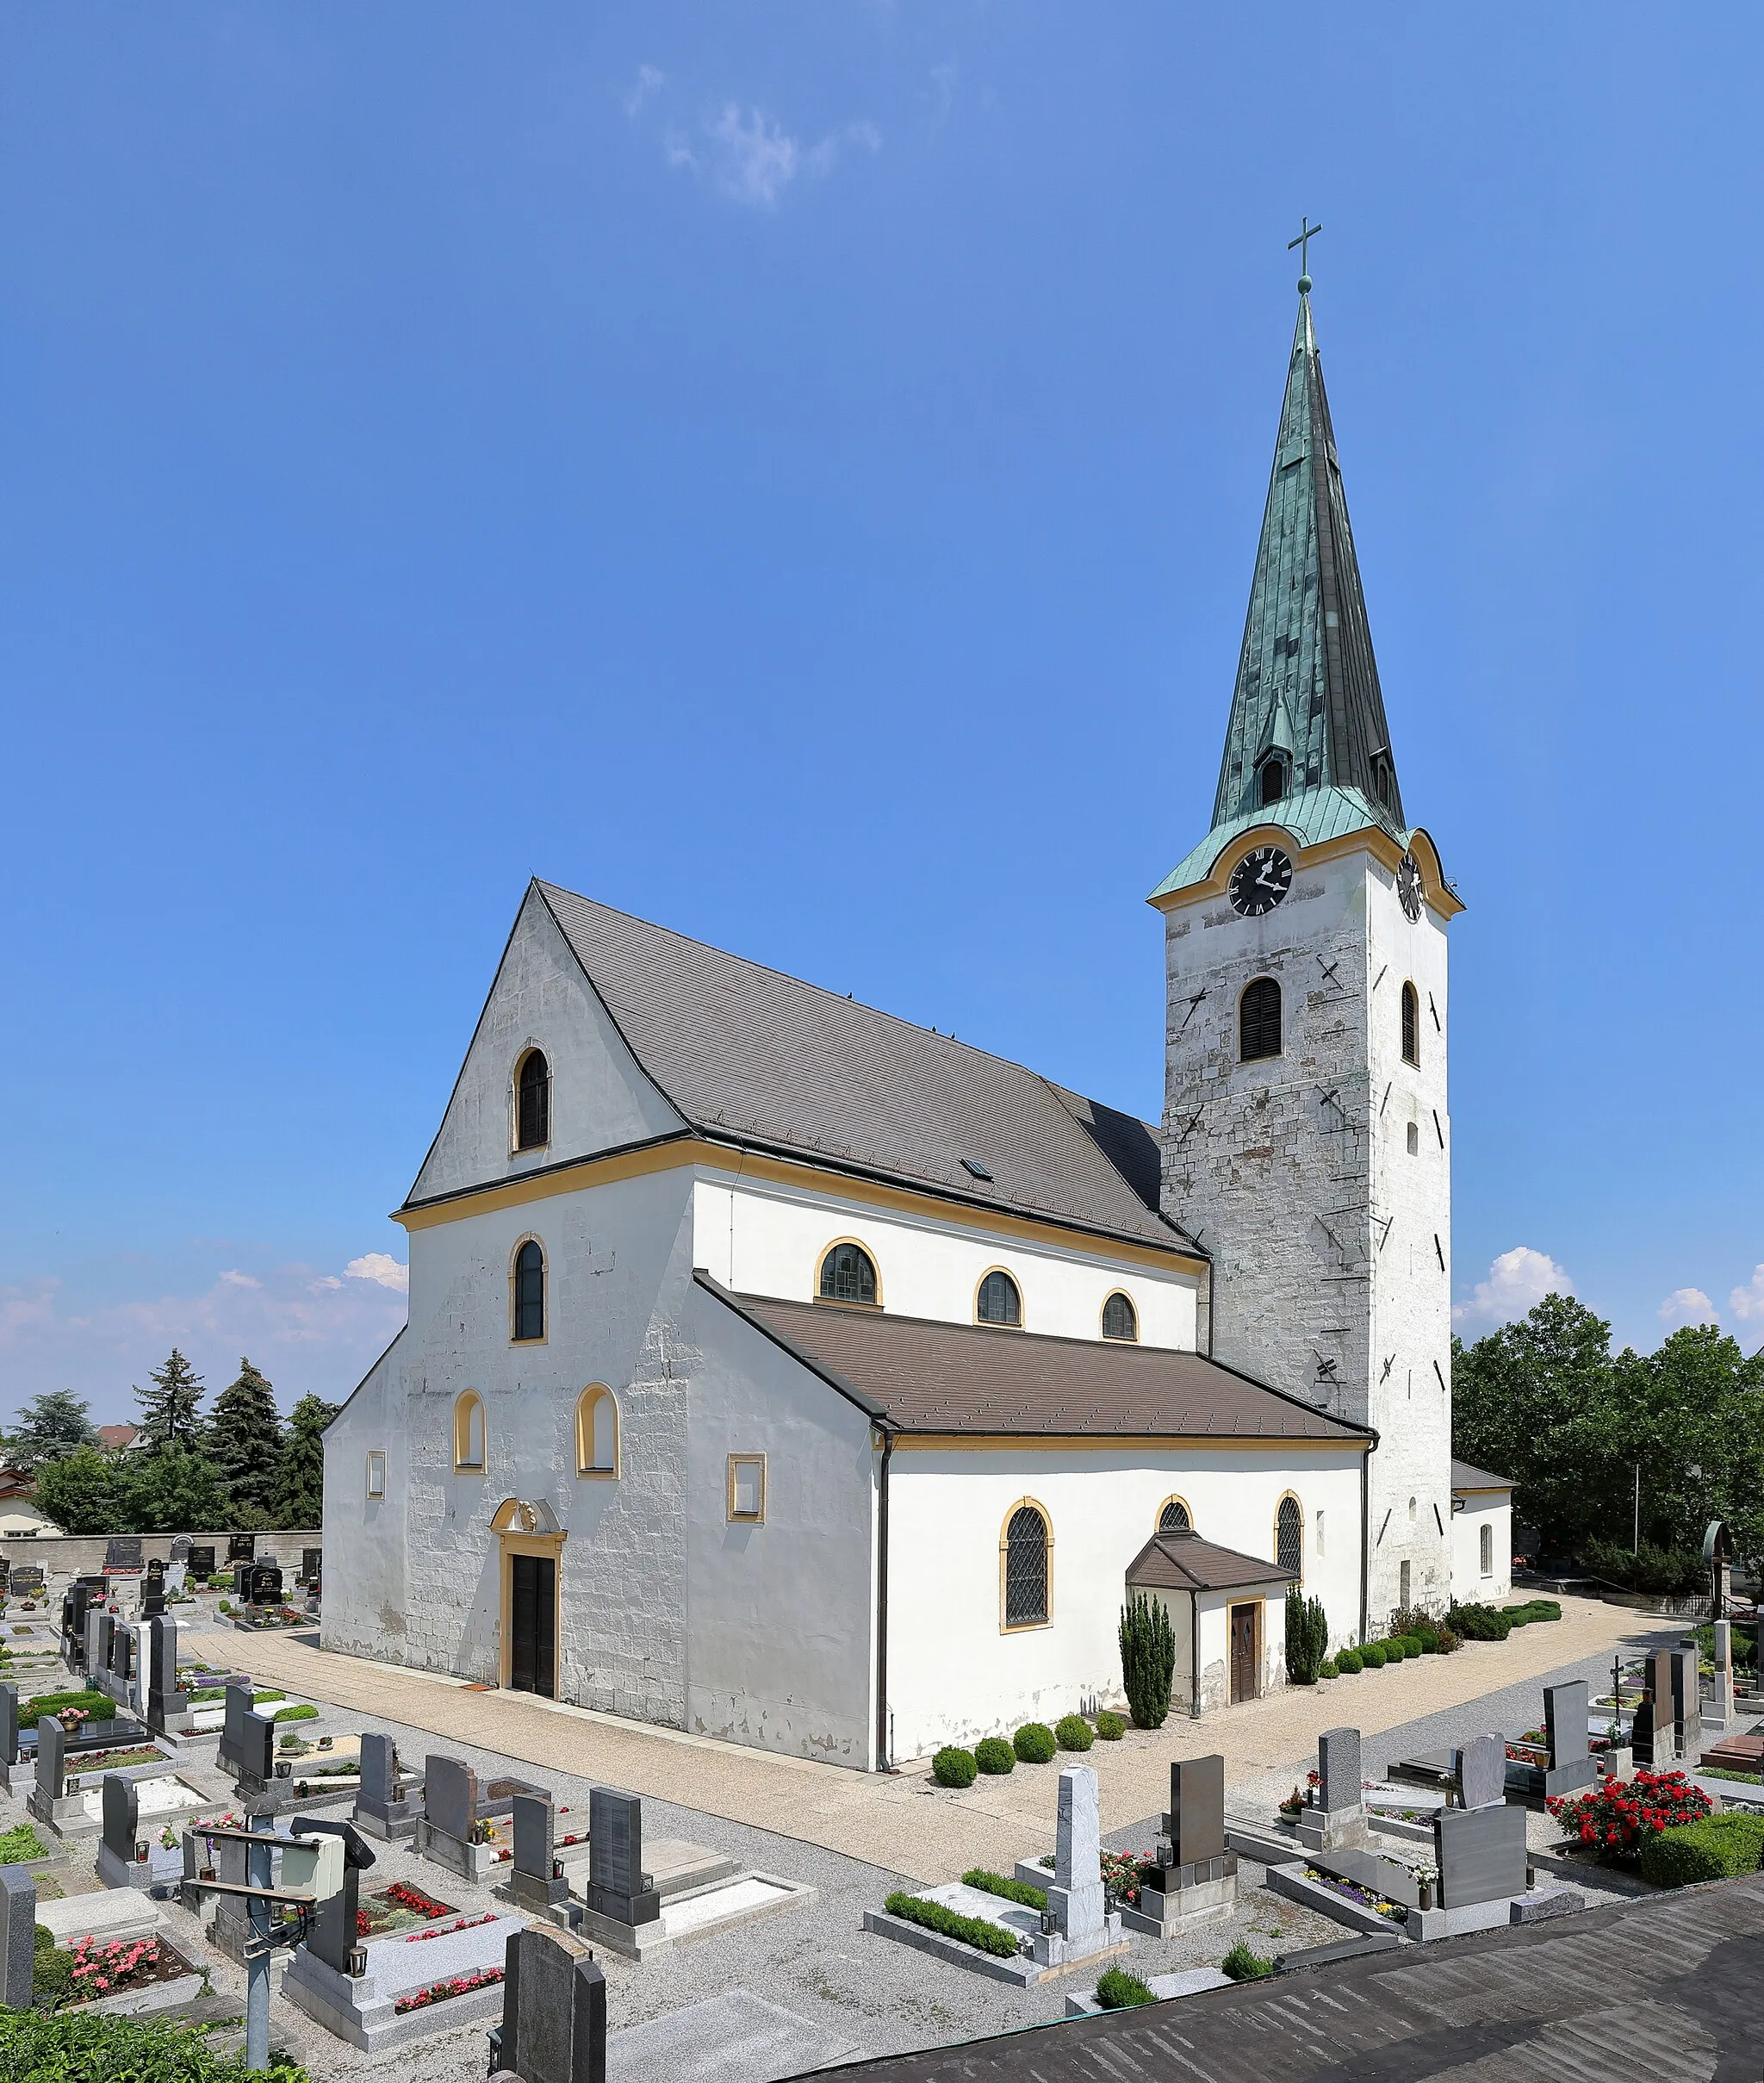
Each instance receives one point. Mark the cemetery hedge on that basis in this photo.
(1110, 1727)
(1117, 1990)
(73, 2048)
(1074, 1733)
(1715, 1848)
(971, 1931)
(1034, 1743)
(98, 1707)
(1012, 1891)
(953, 1767)
(995, 1756)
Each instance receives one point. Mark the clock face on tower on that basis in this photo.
(1258, 881)
(1409, 886)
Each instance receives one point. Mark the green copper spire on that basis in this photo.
(1307, 711)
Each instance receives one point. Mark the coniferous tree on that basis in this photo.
(170, 1408)
(245, 1443)
(50, 1427)
(302, 1502)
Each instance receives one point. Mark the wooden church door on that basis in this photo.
(1243, 1653)
(532, 1661)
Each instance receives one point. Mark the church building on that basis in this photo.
(782, 1372)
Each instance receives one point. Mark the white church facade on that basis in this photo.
(779, 1370)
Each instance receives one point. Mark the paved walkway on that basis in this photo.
(883, 1818)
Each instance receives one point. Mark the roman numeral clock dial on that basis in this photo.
(1258, 881)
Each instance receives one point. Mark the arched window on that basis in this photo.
(998, 1301)
(596, 1432)
(1258, 1020)
(469, 1432)
(1290, 1536)
(530, 1291)
(1271, 780)
(1485, 1546)
(1173, 1517)
(1120, 1320)
(1380, 779)
(849, 1274)
(532, 1102)
(1025, 1557)
(1411, 1025)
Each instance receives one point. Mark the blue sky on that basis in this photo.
(793, 472)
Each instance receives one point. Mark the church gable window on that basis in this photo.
(998, 1301)
(1120, 1319)
(1258, 1020)
(596, 1432)
(532, 1102)
(1025, 1561)
(849, 1274)
(1174, 1517)
(1290, 1536)
(1411, 1025)
(528, 1285)
(376, 1474)
(469, 1433)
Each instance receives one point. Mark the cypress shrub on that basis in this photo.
(953, 1767)
(1034, 1743)
(1147, 1659)
(1074, 1733)
(995, 1756)
(1307, 1638)
(1329, 1669)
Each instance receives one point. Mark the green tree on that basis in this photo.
(82, 1493)
(1690, 1417)
(302, 1502)
(175, 1490)
(1147, 1659)
(50, 1425)
(170, 1408)
(1534, 1401)
(245, 1443)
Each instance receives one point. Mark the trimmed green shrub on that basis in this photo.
(971, 1930)
(1349, 1661)
(953, 1767)
(1012, 1891)
(1034, 1743)
(1329, 1669)
(1117, 1990)
(1307, 1638)
(51, 1971)
(1716, 1849)
(1532, 1610)
(100, 1706)
(1477, 1623)
(75, 2046)
(1375, 1656)
(993, 1755)
(1074, 1733)
(1396, 1648)
(1242, 1965)
(1447, 1643)
(19, 1842)
(295, 1713)
(1147, 1659)
(1110, 1727)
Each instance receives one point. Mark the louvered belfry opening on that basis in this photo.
(1025, 1568)
(532, 1129)
(1411, 1025)
(1258, 1020)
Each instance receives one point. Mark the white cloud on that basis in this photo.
(649, 81)
(677, 151)
(1747, 1303)
(943, 79)
(759, 159)
(1688, 1305)
(1518, 1280)
(235, 1278)
(382, 1266)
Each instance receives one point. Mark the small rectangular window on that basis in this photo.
(1319, 1532)
(1488, 1545)
(746, 1487)
(376, 1474)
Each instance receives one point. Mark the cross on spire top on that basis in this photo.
(1308, 232)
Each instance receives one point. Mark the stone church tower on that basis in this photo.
(1307, 1140)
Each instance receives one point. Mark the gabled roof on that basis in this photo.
(916, 1376)
(1464, 1477)
(1183, 1561)
(763, 1060)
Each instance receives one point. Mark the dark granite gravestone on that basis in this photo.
(1481, 1854)
(18, 1934)
(241, 1547)
(52, 1762)
(618, 1888)
(1687, 1702)
(122, 1555)
(385, 1805)
(121, 1827)
(156, 1568)
(265, 1584)
(153, 1600)
(1480, 1770)
(1571, 1765)
(333, 1932)
(450, 1797)
(241, 1700)
(553, 2014)
(180, 1548)
(1195, 1823)
(202, 1562)
(5, 1573)
(8, 1724)
(162, 1699)
(531, 1883)
(312, 1564)
(28, 1579)
(1338, 1769)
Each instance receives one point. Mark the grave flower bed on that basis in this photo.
(438, 1992)
(396, 1908)
(113, 1760)
(446, 1931)
(1616, 1820)
(1122, 1872)
(1351, 1890)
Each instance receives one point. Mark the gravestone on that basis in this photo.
(118, 1866)
(1195, 1823)
(1687, 1702)
(1481, 1854)
(152, 1599)
(1658, 1680)
(451, 1797)
(531, 1884)
(166, 1706)
(265, 1584)
(241, 1547)
(18, 1935)
(28, 1579)
(122, 1555)
(5, 1575)
(247, 1748)
(52, 1768)
(1722, 1707)
(180, 1548)
(202, 1562)
(385, 1805)
(553, 2014)
(8, 1724)
(1480, 1770)
(156, 1570)
(618, 1888)
(312, 1564)
(1565, 1712)
(1195, 1877)
(1083, 1924)
(1338, 1769)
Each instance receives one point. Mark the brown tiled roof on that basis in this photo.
(1183, 1561)
(919, 1376)
(112, 1438)
(748, 1054)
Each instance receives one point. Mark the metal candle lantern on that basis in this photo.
(357, 1962)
